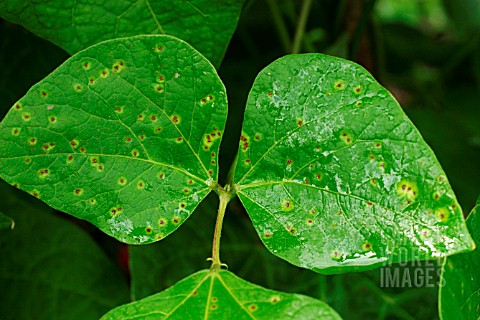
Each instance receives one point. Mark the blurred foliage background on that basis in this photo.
(425, 52)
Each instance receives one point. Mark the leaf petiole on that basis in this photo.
(225, 194)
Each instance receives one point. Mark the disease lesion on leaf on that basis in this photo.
(86, 65)
(366, 246)
(114, 211)
(210, 137)
(176, 119)
(118, 66)
(346, 137)
(309, 222)
(244, 141)
(105, 73)
(357, 89)
(442, 214)
(339, 85)
(176, 220)
(300, 121)
(135, 153)
(16, 132)
(52, 119)
(43, 173)
(407, 189)
(122, 181)
(158, 87)
(158, 48)
(337, 255)
(77, 87)
(207, 99)
(34, 193)
(287, 205)
(74, 143)
(48, 146)
(94, 161)
(26, 116)
(18, 106)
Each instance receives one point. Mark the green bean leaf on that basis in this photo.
(333, 174)
(75, 25)
(222, 295)
(459, 296)
(124, 134)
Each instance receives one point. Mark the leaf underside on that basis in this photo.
(459, 297)
(124, 134)
(333, 174)
(207, 25)
(222, 295)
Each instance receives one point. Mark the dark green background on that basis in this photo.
(424, 52)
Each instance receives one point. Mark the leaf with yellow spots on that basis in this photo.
(222, 295)
(207, 25)
(341, 180)
(459, 296)
(103, 158)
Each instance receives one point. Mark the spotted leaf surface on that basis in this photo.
(333, 174)
(75, 25)
(222, 295)
(459, 297)
(124, 134)
(6, 222)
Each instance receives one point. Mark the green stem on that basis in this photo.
(225, 196)
(280, 24)
(302, 22)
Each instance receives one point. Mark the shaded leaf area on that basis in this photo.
(159, 265)
(459, 298)
(398, 291)
(465, 17)
(220, 295)
(334, 175)
(113, 127)
(409, 293)
(25, 60)
(51, 269)
(434, 85)
(206, 25)
(460, 125)
(6, 222)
